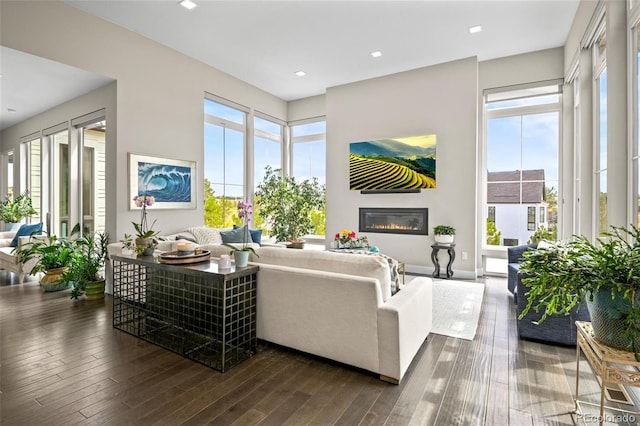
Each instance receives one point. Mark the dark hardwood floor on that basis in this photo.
(62, 363)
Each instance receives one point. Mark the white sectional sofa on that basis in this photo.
(337, 306)
(9, 260)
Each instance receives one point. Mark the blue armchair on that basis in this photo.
(514, 257)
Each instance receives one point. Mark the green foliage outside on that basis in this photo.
(603, 213)
(543, 233)
(493, 235)
(13, 210)
(221, 212)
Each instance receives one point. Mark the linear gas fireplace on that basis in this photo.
(394, 221)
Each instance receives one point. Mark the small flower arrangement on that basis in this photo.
(143, 230)
(348, 239)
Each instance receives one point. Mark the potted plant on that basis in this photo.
(53, 255)
(287, 205)
(443, 234)
(86, 268)
(241, 255)
(12, 211)
(605, 274)
(145, 243)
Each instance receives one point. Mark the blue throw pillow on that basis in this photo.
(236, 235)
(26, 230)
(256, 234)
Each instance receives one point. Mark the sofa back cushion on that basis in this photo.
(206, 235)
(344, 263)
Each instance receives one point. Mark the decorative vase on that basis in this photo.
(52, 275)
(94, 290)
(241, 258)
(607, 318)
(52, 279)
(443, 239)
(144, 246)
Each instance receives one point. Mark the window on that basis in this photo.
(635, 31)
(522, 143)
(543, 216)
(93, 202)
(267, 147)
(60, 179)
(32, 153)
(224, 162)
(491, 214)
(531, 218)
(577, 163)
(308, 159)
(308, 146)
(600, 99)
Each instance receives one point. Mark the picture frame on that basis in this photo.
(171, 182)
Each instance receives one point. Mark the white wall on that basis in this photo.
(441, 99)
(159, 93)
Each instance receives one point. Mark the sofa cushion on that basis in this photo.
(256, 234)
(344, 263)
(236, 235)
(206, 235)
(25, 231)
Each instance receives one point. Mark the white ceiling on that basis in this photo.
(265, 42)
(30, 85)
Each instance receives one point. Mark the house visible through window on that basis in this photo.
(522, 145)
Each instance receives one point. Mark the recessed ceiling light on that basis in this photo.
(301, 73)
(376, 54)
(475, 29)
(187, 4)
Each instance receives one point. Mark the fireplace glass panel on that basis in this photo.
(394, 220)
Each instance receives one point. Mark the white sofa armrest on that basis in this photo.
(404, 322)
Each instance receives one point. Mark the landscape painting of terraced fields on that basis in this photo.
(400, 163)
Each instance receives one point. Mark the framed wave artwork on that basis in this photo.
(396, 164)
(170, 182)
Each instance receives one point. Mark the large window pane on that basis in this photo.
(61, 183)
(308, 151)
(267, 147)
(34, 148)
(224, 163)
(522, 146)
(94, 206)
(601, 158)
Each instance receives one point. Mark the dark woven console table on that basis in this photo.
(196, 310)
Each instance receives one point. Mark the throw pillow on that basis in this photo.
(238, 235)
(24, 231)
(256, 234)
(205, 235)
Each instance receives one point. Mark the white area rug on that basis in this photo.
(456, 308)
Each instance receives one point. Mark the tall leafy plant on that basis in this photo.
(87, 261)
(569, 273)
(288, 205)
